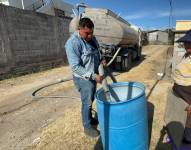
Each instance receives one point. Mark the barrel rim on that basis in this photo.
(135, 84)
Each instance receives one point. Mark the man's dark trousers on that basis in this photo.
(87, 89)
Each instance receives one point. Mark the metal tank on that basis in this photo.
(110, 29)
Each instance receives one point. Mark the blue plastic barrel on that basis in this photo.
(123, 119)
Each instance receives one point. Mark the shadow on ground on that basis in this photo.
(175, 131)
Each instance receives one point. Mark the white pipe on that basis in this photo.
(115, 55)
(22, 4)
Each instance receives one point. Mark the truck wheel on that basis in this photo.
(126, 62)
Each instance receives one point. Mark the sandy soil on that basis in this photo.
(63, 129)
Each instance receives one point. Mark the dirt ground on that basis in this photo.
(56, 123)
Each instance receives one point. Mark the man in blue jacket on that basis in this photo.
(84, 59)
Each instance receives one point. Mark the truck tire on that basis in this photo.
(126, 62)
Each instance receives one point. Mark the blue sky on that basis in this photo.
(147, 14)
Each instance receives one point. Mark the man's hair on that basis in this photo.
(86, 22)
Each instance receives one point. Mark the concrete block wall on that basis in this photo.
(30, 40)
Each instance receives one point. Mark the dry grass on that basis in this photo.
(66, 133)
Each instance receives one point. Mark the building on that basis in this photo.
(50, 7)
(181, 27)
(56, 8)
(23, 4)
(157, 37)
(5, 2)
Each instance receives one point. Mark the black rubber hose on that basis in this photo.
(35, 96)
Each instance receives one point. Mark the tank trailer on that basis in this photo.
(120, 42)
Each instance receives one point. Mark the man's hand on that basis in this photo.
(98, 78)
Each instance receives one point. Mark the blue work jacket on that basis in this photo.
(83, 57)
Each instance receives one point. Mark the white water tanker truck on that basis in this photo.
(120, 43)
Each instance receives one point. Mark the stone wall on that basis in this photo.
(30, 41)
